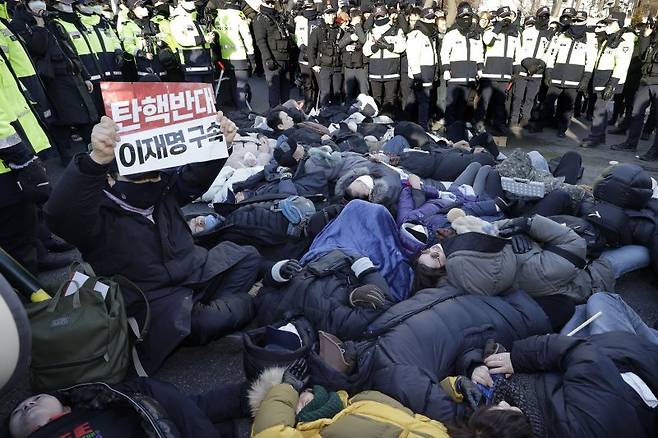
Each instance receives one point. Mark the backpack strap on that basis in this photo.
(577, 261)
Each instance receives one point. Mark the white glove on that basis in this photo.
(446, 75)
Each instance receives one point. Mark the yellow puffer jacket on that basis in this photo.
(368, 414)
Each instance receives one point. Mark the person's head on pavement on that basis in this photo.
(280, 121)
(35, 412)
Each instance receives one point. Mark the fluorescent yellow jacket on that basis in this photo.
(369, 413)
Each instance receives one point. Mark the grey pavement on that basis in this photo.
(197, 369)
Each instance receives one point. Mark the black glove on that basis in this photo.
(368, 296)
(609, 91)
(584, 82)
(521, 243)
(515, 226)
(296, 375)
(33, 180)
(498, 26)
(271, 64)
(547, 77)
(469, 391)
(289, 269)
(418, 83)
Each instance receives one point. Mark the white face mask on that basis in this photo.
(188, 6)
(85, 9)
(37, 6)
(367, 181)
(64, 7)
(141, 12)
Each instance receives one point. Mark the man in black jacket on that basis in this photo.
(272, 36)
(351, 47)
(324, 57)
(604, 386)
(134, 227)
(646, 95)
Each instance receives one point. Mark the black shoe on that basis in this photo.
(646, 135)
(561, 134)
(535, 129)
(623, 147)
(591, 143)
(50, 262)
(617, 131)
(650, 155)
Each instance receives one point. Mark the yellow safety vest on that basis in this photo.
(79, 44)
(15, 52)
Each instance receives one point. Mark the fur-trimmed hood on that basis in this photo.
(387, 186)
(269, 378)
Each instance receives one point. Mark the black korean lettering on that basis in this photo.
(214, 133)
(176, 142)
(161, 146)
(147, 144)
(140, 151)
(127, 154)
(198, 139)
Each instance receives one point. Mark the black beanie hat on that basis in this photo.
(284, 150)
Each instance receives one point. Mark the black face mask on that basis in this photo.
(565, 21)
(162, 10)
(542, 22)
(142, 196)
(381, 21)
(464, 23)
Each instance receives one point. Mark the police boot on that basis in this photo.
(625, 146)
(591, 143)
(650, 155)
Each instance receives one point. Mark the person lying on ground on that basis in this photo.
(602, 386)
(133, 226)
(283, 404)
(137, 408)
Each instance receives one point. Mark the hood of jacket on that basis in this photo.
(383, 190)
(268, 379)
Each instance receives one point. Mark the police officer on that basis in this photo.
(140, 40)
(324, 57)
(384, 44)
(535, 40)
(64, 76)
(502, 47)
(272, 36)
(21, 66)
(570, 61)
(193, 43)
(305, 22)
(610, 72)
(168, 55)
(423, 59)
(355, 76)
(237, 47)
(462, 61)
(104, 40)
(646, 95)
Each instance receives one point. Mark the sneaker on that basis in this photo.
(591, 143)
(623, 147)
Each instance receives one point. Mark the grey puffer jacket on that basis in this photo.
(487, 265)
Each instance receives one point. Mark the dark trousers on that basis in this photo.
(329, 83)
(61, 135)
(525, 93)
(355, 82)
(385, 93)
(566, 111)
(19, 227)
(224, 304)
(309, 86)
(441, 94)
(199, 78)
(278, 82)
(569, 167)
(555, 203)
(599, 120)
(240, 88)
(492, 99)
(456, 102)
(423, 99)
(646, 95)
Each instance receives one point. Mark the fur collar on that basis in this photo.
(380, 191)
(268, 379)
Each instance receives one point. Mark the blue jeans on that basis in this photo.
(538, 161)
(616, 315)
(627, 258)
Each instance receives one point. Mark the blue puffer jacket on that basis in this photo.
(434, 334)
(367, 230)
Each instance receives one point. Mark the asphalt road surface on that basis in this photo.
(195, 370)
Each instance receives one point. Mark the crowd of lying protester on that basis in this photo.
(386, 282)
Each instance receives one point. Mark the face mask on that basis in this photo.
(188, 6)
(565, 21)
(381, 21)
(542, 21)
(162, 10)
(85, 9)
(142, 196)
(64, 7)
(141, 12)
(464, 22)
(37, 6)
